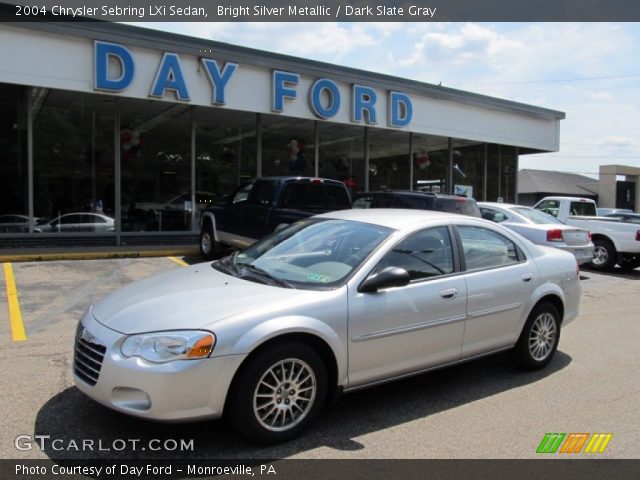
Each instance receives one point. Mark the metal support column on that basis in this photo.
(258, 145)
(117, 172)
(194, 205)
(30, 119)
(316, 149)
(411, 182)
(366, 159)
(449, 186)
(486, 172)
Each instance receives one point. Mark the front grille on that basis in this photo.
(88, 356)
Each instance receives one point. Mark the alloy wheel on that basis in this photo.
(284, 395)
(543, 336)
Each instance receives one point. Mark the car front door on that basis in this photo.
(499, 281)
(405, 329)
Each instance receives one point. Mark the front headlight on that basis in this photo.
(160, 347)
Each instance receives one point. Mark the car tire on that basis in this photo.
(604, 255)
(207, 242)
(278, 393)
(539, 339)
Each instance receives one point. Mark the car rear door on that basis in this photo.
(404, 329)
(499, 281)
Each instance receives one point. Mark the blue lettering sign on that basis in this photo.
(400, 109)
(169, 77)
(102, 53)
(363, 99)
(281, 88)
(218, 79)
(320, 87)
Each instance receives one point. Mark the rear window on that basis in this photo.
(583, 209)
(460, 205)
(315, 196)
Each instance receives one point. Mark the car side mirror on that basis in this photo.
(499, 217)
(386, 278)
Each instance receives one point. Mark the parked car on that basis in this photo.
(419, 200)
(625, 217)
(260, 206)
(615, 242)
(604, 212)
(335, 302)
(541, 228)
(15, 223)
(77, 222)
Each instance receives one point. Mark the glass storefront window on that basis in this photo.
(341, 156)
(13, 160)
(155, 157)
(468, 169)
(388, 160)
(430, 163)
(287, 146)
(73, 162)
(225, 152)
(502, 171)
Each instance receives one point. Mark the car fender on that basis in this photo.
(279, 326)
(542, 290)
(209, 215)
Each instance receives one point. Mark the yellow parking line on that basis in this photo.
(179, 261)
(15, 317)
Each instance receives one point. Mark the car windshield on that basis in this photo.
(536, 216)
(310, 254)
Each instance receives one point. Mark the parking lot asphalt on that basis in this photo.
(481, 409)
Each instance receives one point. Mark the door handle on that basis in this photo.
(449, 293)
(527, 277)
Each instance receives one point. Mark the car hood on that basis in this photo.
(188, 298)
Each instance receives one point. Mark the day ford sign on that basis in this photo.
(323, 97)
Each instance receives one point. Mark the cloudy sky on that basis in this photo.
(591, 71)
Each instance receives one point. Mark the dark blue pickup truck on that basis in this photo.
(257, 208)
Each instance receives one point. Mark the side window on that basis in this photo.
(242, 194)
(424, 254)
(493, 215)
(549, 206)
(363, 202)
(485, 248)
(262, 193)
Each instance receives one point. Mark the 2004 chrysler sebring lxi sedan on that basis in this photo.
(335, 302)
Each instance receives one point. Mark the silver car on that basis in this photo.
(541, 228)
(336, 302)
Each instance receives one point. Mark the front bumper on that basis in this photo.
(173, 391)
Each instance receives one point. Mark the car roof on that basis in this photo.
(415, 193)
(395, 218)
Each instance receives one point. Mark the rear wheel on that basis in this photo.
(604, 255)
(207, 242)
(539, 339)
(278, 393)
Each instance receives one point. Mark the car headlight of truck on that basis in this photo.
(161, 347)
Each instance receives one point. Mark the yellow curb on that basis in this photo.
(179, 261)
(48, 257)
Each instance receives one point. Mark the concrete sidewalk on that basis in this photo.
(95, 252)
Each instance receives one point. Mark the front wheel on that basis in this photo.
(278, 393)
(539, 339)
(207, 242)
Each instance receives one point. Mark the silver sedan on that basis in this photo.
(541, 228)
(336, 302)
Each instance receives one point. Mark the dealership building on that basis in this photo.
(117, 135)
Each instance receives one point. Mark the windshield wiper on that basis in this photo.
(227, 264)
(263, 273)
